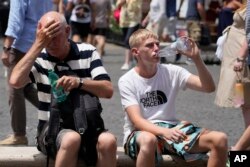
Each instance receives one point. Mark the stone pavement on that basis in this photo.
(192, 106)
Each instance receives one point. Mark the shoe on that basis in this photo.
(125, 66)
(15, 140)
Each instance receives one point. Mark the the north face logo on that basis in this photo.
(154, 98)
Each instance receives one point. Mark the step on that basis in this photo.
(31, 157)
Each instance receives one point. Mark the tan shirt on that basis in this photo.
(131, 13)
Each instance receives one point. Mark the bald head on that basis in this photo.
(52, 15)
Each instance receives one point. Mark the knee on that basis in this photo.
(107, 143)
(71, 141)
(147, 142)
(220, 141)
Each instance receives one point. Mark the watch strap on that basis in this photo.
(80, 83)
(6, 49)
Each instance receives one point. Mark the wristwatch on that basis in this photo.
(80, 83)
(6, 49)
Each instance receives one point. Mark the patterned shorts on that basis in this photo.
(168, 147)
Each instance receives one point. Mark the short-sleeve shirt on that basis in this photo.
(83, 60)
(155, 96)
(86, 18)
(131, 13)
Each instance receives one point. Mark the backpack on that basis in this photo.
(80, 112)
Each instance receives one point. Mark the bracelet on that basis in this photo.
(240, 60)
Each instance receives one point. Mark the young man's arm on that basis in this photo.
(204, 81)
(142, 124)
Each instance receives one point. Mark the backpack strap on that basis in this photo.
(80, 118)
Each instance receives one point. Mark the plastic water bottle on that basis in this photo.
(182, 44)
(238, 94)
(58, 93)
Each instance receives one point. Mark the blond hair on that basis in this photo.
(140, 35)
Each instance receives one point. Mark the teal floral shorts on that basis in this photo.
(168, 147)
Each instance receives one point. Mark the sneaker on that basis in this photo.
(125, 66)
(15, 140)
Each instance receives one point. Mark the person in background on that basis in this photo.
(240, 64)
(226, 14)
(20, 35)
(130, 20)
(82, 18)
(234, 41)
(52, 49)
(171, 24)
(4, 15)
(151, 127)
(98, 35)
(172, 19)
(156, 20)
(196, 16)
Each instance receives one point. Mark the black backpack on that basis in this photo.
(80, 112)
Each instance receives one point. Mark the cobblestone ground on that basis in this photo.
(192, 106)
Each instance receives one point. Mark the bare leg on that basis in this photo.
(67, 155)
(246, 115)
(127, 56)
(106, 150)
(216, 142)
(100, 43)
(244, 141)
(146, 156)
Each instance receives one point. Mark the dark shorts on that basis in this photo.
(166, 146)
(127, 32)
(99, 31)
(82, 29)
(60, 136)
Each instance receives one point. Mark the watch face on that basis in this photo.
(6, 49)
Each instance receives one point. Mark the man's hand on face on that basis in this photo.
(46, 31)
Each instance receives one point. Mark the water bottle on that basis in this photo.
(58, 93)
(238, 94)
(182, 44)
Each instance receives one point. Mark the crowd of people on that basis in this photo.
(68, 37)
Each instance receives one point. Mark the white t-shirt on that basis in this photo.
(86, 18)
(155, 96)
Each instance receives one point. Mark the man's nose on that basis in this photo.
(156, 46)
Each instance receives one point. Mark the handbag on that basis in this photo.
(220, 43)
(242, 88)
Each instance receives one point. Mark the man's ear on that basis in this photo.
(134, 51)
(68, 29)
